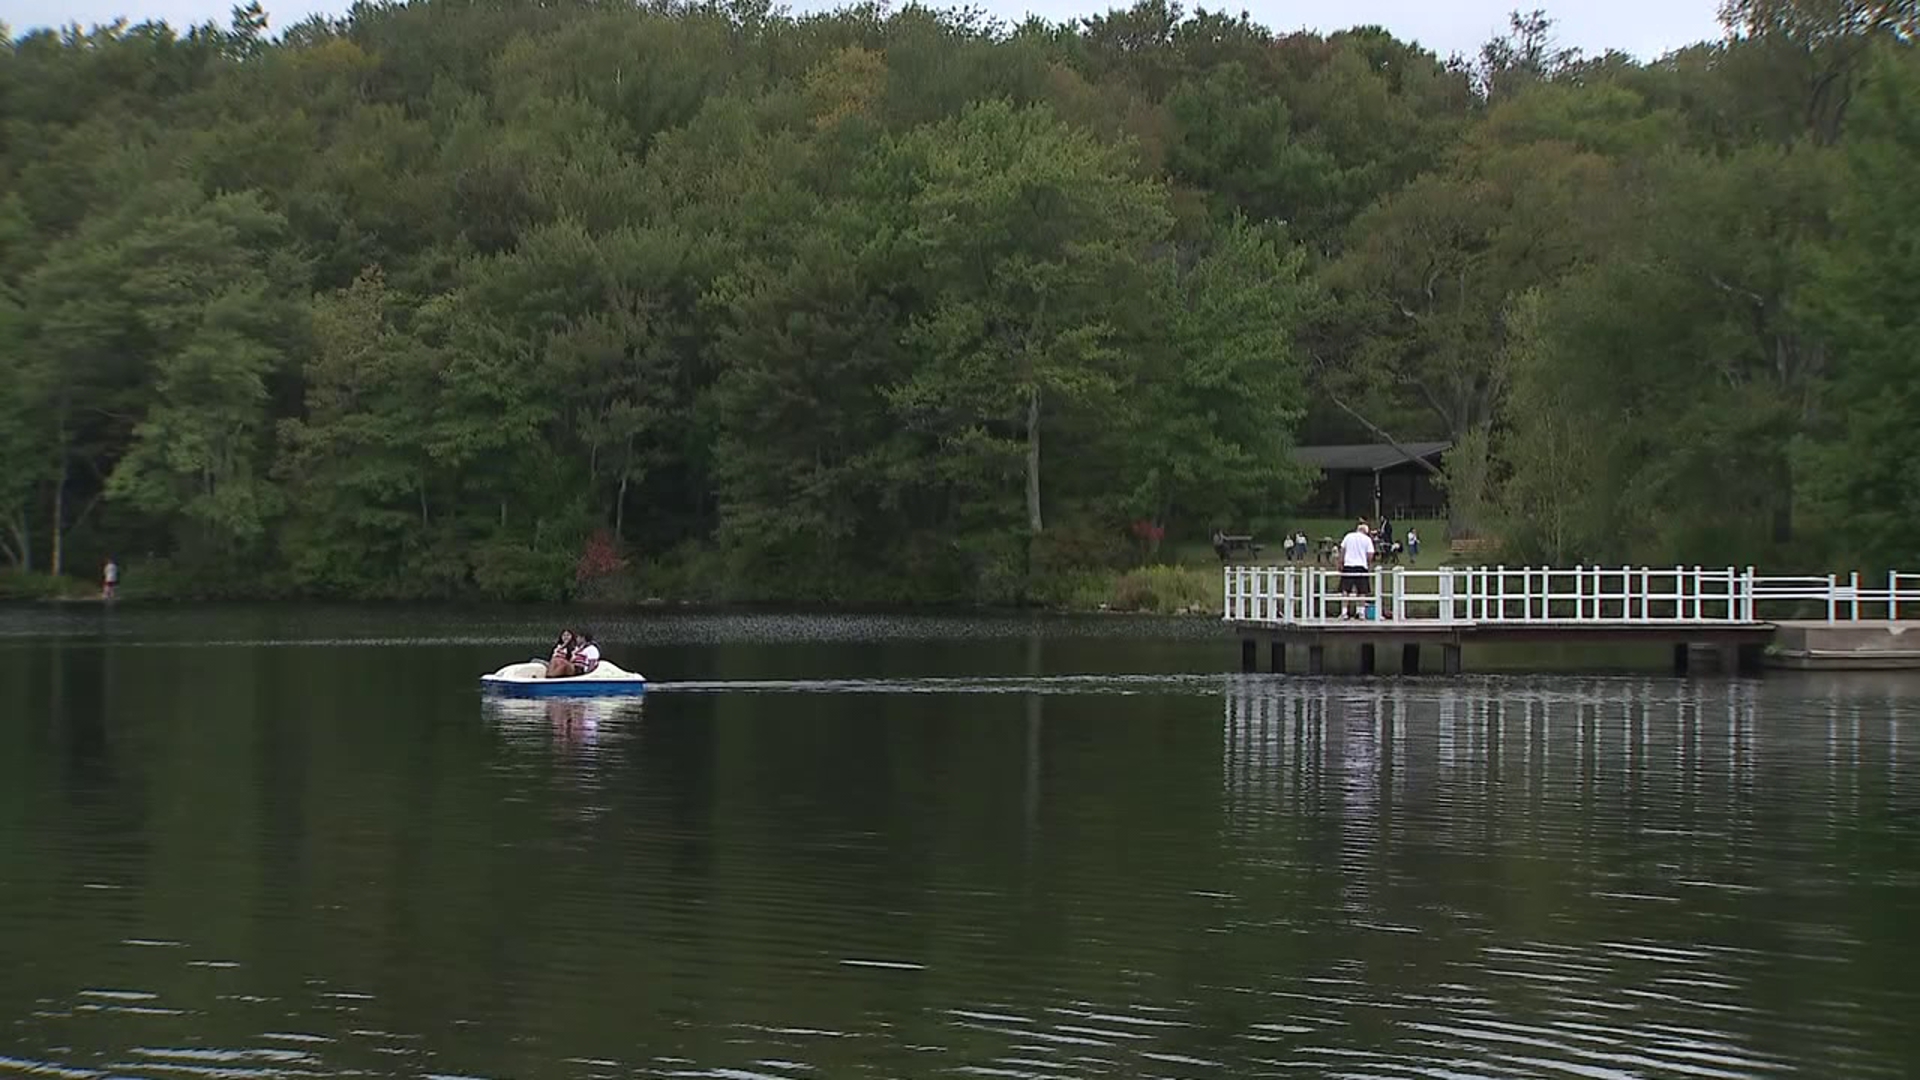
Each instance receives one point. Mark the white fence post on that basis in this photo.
(1833, 598)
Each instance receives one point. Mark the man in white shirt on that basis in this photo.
(1356, 555)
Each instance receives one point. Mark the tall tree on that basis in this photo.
(1805, 57)
(1431, 272)
(1224, 386)
(1035, 235)
(1865, 299)
(365, 496)
(212, 301)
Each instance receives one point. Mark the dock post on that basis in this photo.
(1316, 659)
(1277, 657)
(1410, 658)
(1752, 658)
(1247, 653)
(1680, 656)
(1366, 658)
(1450, 658)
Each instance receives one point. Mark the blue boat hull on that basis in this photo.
(557, 688)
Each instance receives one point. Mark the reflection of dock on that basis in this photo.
(1292, 748)
(1733, 613)
(1286, 741)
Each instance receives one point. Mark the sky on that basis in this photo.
(1644, 28)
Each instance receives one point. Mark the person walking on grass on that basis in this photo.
(1413, 545)
(1356, 557)
(109, 579)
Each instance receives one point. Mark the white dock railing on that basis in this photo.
(1582, 595)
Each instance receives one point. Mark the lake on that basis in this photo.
(291, 842)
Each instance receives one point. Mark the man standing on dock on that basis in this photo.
(1356, 554)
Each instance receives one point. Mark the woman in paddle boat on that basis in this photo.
(560, 664)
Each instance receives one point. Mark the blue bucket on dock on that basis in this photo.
(1373, 612)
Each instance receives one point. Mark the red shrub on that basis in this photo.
(599, 558)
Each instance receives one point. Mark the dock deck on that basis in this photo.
(1738, 613)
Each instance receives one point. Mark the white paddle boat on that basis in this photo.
(529, 679)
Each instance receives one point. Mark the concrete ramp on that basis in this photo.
(1846, 646)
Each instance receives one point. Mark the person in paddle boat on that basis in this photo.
(560, 664)
(586, 653)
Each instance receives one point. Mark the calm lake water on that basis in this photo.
(244, 843)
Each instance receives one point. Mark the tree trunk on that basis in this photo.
(620, 510)
(1033, 460)
(1783, 502)
(1465, 482)
(58, 554)
(20, 552)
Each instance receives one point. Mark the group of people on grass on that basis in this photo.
(573, 654)
(1384, 546)
(1390, 550)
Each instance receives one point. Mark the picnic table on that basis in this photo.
(1227, 545)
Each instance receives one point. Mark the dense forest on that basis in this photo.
(517, 299)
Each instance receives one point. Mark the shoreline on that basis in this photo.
(612, 606)
(1177, 591)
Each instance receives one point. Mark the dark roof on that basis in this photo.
(1366, 457)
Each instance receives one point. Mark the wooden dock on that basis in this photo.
(1738, 614)
(1865, 645)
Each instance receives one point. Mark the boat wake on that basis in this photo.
(964, 684)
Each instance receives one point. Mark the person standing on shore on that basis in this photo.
(109, 579)
(1413, 545)
(1356, 556)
